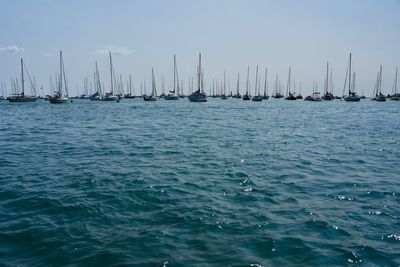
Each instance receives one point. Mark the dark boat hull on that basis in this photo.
(21, 99)
(246, 97)
(198, 97)
(53, 100)
(149, 98)
(171, 97)
(257, 98)
(352, 99)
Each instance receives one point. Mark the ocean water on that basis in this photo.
(222, 183)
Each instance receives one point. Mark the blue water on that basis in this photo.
(222, 183)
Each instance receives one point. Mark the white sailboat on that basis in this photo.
(59, 97)
(395, 95)
(173, 95)
(110, 96)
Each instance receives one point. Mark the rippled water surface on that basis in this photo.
(222, 183)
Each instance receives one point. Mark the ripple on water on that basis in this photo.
(130, 184)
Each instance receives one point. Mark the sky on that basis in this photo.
(230, 34)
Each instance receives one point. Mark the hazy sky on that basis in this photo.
(231, 35)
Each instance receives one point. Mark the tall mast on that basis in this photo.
(174, 72)
(331, 84)
(327, 77)
(111, 73)
(288, 85)
(130, 84)
(153, 85)
(247, 82)
(265, 81)
(255, 89)
(199, 74)
(350, 75)
(238, 84)
(176, 92)
(22, 76)
(380, 80)
(224, 84)
(60, 81)
(395, 83)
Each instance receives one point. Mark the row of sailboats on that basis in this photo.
(60, 95)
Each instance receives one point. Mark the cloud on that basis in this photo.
(11, 49)
(115, 50)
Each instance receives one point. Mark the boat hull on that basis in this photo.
(149, 98)
(57, 100)
(109, 98)
(291, 97)
(246, 97)
(352, 99)
(257, 98)
(171, 97)
(328, 97)
(198, 97)
(21, 99)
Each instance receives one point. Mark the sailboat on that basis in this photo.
(199, 95)
(265, 96)
(315, 95)
(223, 96)
(289, 94)
(152, 96)
(21, 97)
(173, 95)
(352, 96)
(277, 90)
(247, 96)
(59, 97)
(257, 97)
(237, 95)
(395, 95)
(379, 97)
(327, 94)
(299, 96)
(110, 96)
(129, 94)
(97, 85)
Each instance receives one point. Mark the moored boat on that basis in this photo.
(198, 95)
(352, 95)
(21, 97)
(59, 97)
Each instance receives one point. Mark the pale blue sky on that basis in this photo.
(230, 34)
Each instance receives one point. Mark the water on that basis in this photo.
(222, 183)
